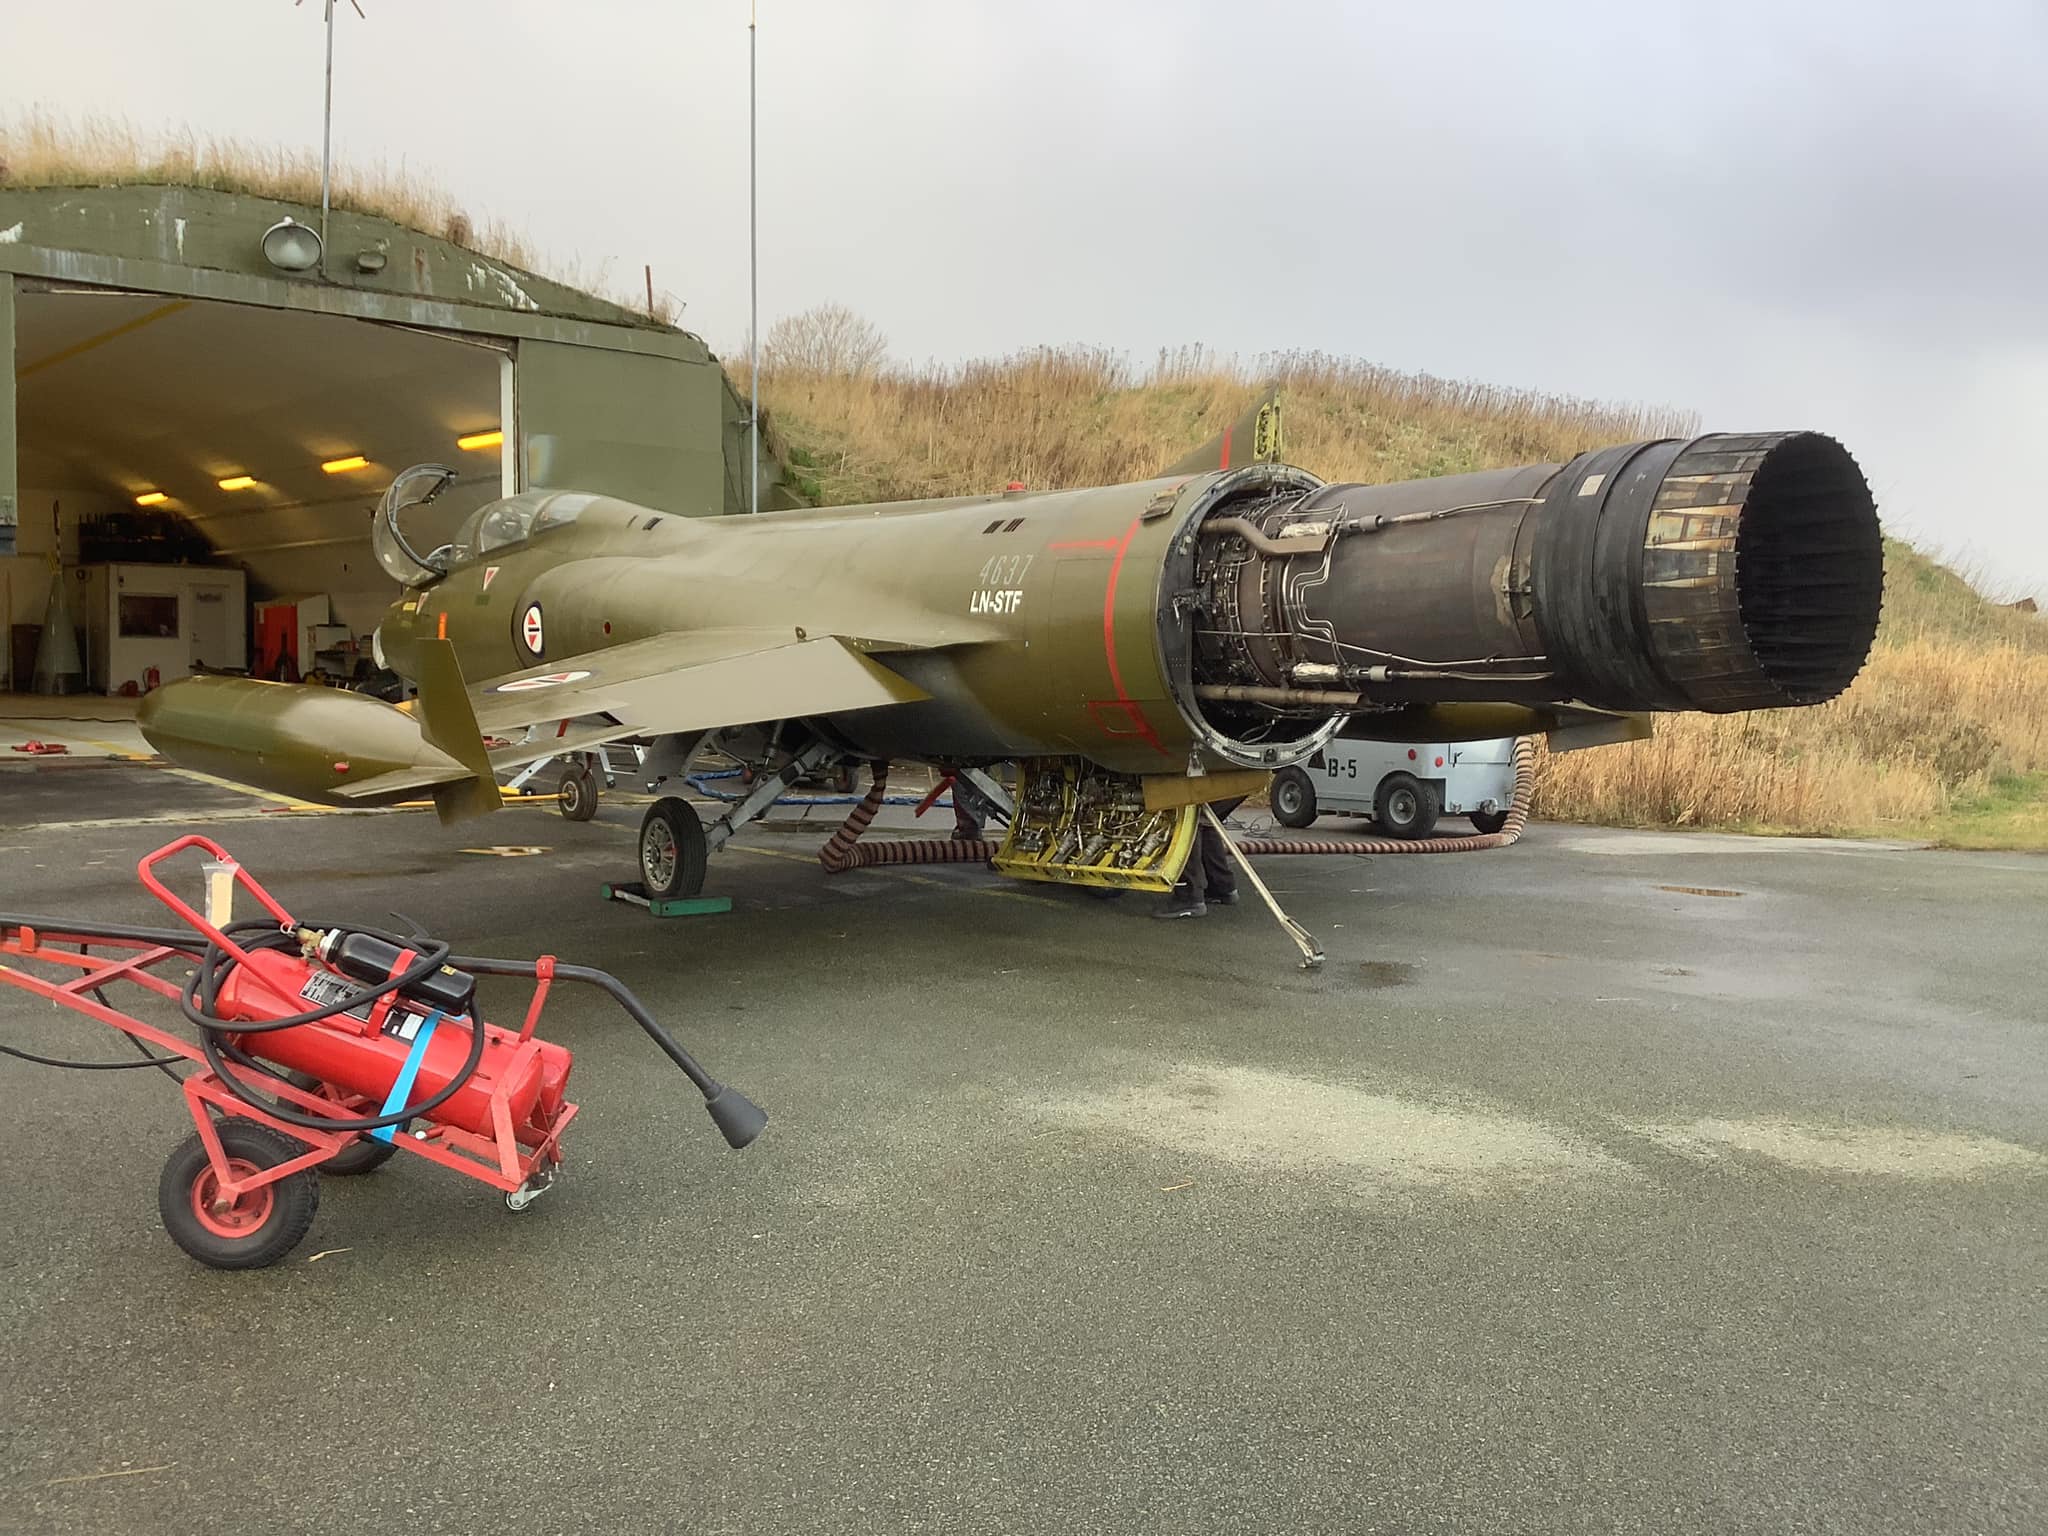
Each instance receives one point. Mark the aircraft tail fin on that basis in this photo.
(449, 724)
(1253, 438)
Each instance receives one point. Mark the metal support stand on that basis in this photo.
(1311, 951)
(990, 789)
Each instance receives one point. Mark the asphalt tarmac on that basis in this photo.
(1616, 1182)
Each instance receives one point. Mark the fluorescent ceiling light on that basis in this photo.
(151, 499)
(237, 482)
(343, 466)
(481, 440)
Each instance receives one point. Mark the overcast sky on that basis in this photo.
(1794, 214)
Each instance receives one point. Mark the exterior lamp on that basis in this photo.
(291, 246)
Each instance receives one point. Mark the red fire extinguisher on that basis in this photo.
(151, 679)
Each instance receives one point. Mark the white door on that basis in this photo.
(208, 627)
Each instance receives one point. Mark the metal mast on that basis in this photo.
(753, 277)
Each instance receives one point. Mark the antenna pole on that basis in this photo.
(753, 279)
(327, 136)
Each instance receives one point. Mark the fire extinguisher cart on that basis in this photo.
(321, 1049)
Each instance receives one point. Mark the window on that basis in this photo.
(559, 511)
(508, 522)
(149, 616)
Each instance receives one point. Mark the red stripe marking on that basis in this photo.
(1226, 449)
(1116, 676)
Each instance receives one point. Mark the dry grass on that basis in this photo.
(1945, 735)
(39, 148)
(1081, 416)
(1947, 725)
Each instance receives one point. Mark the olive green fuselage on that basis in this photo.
(1032, 620)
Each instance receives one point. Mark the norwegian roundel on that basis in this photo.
(530, 632)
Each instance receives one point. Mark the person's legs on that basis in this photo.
(1219, 870)
(967, 818)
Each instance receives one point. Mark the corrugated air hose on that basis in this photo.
(845, 850)
(1518, 817)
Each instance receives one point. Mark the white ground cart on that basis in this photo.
(1404, 786)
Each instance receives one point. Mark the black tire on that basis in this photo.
(1406, 806)
(366, 1154)
(271, 1221)
(1293, 797)
(1489, 822)
(672, 851)
(577, 793)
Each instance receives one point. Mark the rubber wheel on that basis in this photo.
(1489, 822)
(672, 851)
(365, 1154)
(577, 794)
(259, 1228)
(1405, 806)
(1293, 797)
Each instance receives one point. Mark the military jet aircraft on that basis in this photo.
(1136, 649)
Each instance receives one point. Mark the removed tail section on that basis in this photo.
(1254, 438)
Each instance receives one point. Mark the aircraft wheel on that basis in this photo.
(577, 793)
(672, 851)
(1293, 798)
(1489, 822)
(1405, 806)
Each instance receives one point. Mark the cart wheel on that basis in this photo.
(263, 1225)
(1405, 806)
(578, 791)
(1293, 798)
(1489, 822)
(365, 1154)
(672, 851)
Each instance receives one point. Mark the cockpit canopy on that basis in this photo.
(414, 487)
(492, 527)
(515, 520)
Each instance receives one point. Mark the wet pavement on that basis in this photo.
(1618, 1182)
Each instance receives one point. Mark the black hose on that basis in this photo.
(88, 1066)
(198, 998)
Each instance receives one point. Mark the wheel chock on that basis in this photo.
(634, 894)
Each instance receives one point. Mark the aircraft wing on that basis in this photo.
(687, 682)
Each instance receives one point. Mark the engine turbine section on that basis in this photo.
(1723, 573)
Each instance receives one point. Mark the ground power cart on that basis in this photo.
(1404, 786)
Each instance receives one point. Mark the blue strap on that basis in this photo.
(401, 1090)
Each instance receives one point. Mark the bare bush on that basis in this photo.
(828, 340)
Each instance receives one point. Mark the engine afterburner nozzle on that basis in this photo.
(1721, 573)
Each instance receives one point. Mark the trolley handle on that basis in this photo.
(145, 871)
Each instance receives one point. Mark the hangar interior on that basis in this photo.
(179, 409)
